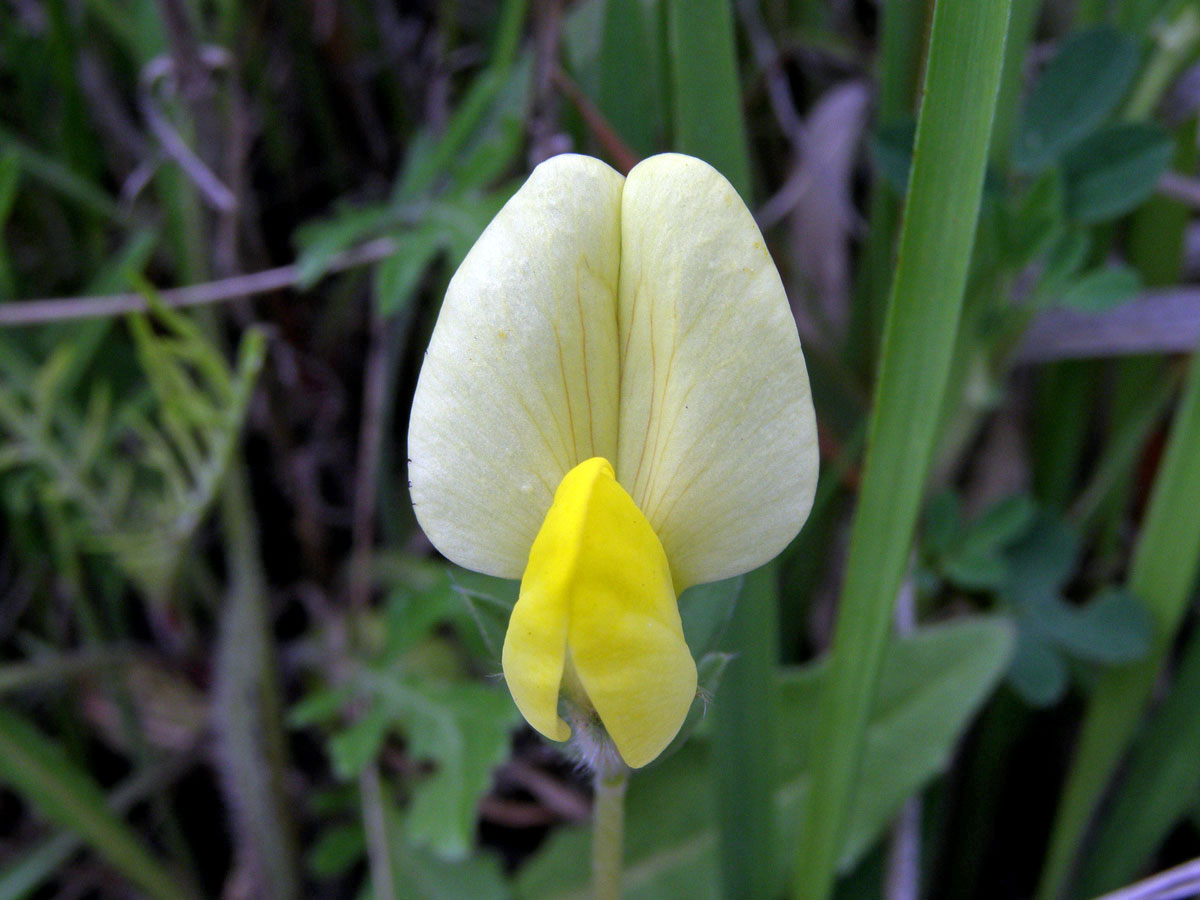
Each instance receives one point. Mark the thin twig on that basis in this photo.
(1174, 884)
(375, 826)
(210, 186)
(545, 136)
(561, 798)
(36, 312)
(190, 67)
(1161, 321)
(597, 124)
(1180, 187)
(370, 446)
(779, 91)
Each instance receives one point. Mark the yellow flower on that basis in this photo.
(613, 407)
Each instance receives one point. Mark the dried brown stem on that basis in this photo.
(1161, 321)
(617, 150)
(36, 312)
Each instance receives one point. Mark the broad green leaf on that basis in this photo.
(356, 746)
(422, 875)
(42, 774)
(321, 705)
(1063, 260)
(970, 556)
(670, 840)
(1038, 672)
(1114, 170)
(932, 683)
(1033, 224)
(1043, 559)
(1074, 94)
(1003, 522)
(463, 729)
(1113, 627)
(1155, 236)
(1102, 289)
(412, 613)
(582, 36)
(975, 568)
(628, 93)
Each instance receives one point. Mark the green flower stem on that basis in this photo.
(966, 55)
(608, 830)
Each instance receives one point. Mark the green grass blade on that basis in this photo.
(42, 774)
(707, 94)
(966, 55)
(1159, 789)
(247, 711)
(1022, 21)
(10, 177)
(743, 740)
(32, 867)
(61, 178)
(26, 874)
(1162, 572)
(1061, 421)
(627, 94)
(1107, 487)
(901, 41)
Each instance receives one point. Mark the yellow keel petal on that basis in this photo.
(598, 568)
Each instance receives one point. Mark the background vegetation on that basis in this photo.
(231, 665)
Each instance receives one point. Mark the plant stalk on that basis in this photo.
(608, 831)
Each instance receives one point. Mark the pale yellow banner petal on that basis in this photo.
(520, 382)
(718, 442)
